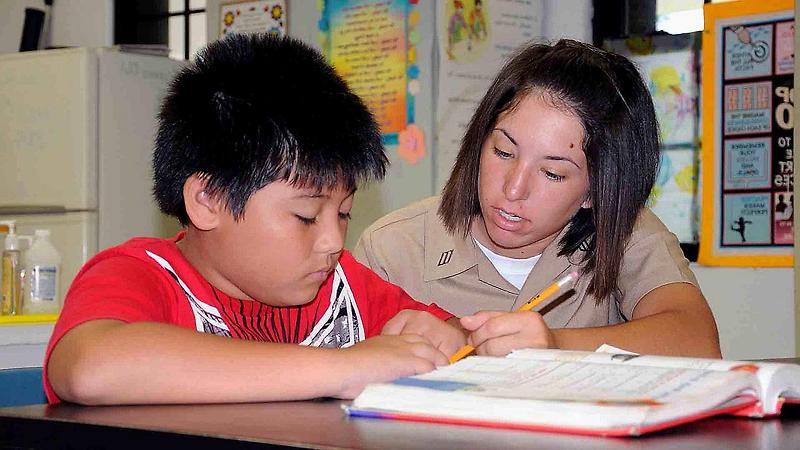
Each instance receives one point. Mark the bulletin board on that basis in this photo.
(747, 162)
(372, 44)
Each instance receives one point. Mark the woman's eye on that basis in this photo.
(553, 176)
(344, 216)
(307, 220)
(502, 154)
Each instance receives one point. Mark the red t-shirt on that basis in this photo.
(148, 279)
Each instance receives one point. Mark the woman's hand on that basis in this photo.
(497, 333)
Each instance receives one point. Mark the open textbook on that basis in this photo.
(612, 394)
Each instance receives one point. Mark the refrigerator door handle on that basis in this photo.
(11, 210)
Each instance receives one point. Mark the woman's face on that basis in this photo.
(533, 178)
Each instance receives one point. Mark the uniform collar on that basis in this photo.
(445, 255)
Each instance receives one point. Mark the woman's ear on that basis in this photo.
(587, 203)
(204, 210)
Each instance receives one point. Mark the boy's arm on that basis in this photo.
(113, 362)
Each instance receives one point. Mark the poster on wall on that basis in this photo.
(266, 16)
(748, 175)
(372, 45)
(475, 38)
(668, 65)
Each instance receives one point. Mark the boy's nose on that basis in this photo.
(331, 239)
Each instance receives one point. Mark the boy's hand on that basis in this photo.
(442, 335)
(385, 358)
(497, 333)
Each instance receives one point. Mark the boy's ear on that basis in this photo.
(203, 209)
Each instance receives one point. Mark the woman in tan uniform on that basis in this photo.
(552, 176)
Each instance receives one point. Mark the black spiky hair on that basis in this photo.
(253, 109)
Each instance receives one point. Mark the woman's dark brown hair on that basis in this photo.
(605, 91)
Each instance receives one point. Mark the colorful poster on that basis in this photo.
(474, 37)
(748, 108)
(784, 48)
(748, 219)
(748, 182)
(668, 66)
(748, 163)
(254, 17)
(783, 217)
(748, 51)
(367, 45)
(671, 78)
(673, 198)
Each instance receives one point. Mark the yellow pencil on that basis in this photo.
(539, 298)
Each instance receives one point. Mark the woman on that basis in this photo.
(552, 176)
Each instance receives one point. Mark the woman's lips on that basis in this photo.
(507, 221)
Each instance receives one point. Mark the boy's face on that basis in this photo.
(284, 247)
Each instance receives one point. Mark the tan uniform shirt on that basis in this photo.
(411, 248)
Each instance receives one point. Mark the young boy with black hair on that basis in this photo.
(259, 150)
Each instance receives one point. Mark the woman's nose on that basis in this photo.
(517, 183)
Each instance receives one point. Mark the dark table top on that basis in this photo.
(323, 424)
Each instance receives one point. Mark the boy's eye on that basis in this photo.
(502, 154)
(553, 176)
(344, 216)
(307, 220)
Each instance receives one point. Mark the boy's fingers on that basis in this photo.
(414, 339)
(429, 353)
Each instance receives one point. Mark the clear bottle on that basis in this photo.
(42, 271)
(12, 274)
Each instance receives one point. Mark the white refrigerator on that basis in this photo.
(76, 138)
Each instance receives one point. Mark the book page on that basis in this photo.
(774, 379)
(578, 381)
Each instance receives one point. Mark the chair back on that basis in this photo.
(21, 386)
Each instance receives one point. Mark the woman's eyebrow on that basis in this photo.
(507, 135)
(561, 158)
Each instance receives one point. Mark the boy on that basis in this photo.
(259, 150)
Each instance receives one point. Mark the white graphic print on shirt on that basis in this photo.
(341, 324)
(207, 318)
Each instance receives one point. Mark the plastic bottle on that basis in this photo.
(12, 281)
(5, 227)
(42, 269)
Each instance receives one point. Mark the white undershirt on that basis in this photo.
(514, 270)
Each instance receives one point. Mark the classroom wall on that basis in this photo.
(74, 23)
(754, 309)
